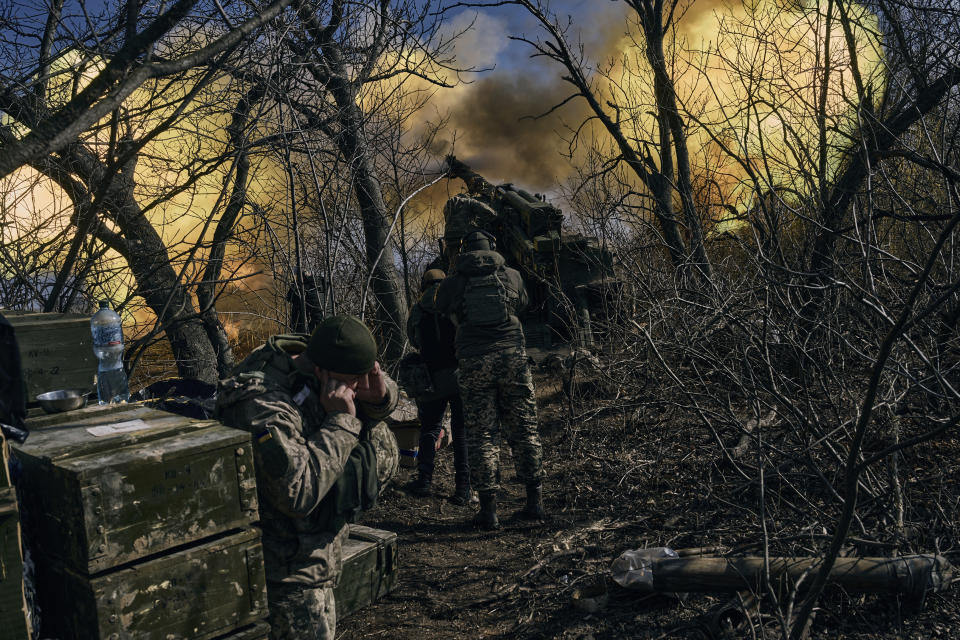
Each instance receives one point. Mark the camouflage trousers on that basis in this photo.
(388, 453)
(300, 612)
(497, 392)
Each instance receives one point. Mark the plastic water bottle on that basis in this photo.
(107, 333)
(634, 568)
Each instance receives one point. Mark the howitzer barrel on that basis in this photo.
(476, 183)
(516, 201)
(913, 576)
(535, 216)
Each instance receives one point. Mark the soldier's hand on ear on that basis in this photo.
(337, 397)
(373, 386)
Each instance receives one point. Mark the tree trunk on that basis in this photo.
(158, 283)
(146, 256)
(672, 126)
(206, 290)
(873, 140)
(380, 247)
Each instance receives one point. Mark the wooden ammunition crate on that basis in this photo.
(405, 424)
(408, 440)
(371, 562)
(56, 350)
(202, 592)
(105, 486)
(13, 608)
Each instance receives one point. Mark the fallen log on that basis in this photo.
(911, 576)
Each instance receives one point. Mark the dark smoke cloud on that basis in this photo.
(493, 122)
(499, 134)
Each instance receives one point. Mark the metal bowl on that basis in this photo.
(62, 400)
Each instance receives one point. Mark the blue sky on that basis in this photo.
(490, 116)
(590, 18)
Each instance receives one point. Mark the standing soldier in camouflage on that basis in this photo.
(462, 215)
(483, 297)
(313, 405)
(434, 335)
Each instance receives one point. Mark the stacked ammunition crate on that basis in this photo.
(56, 350)
(139, 523)
(14, 624)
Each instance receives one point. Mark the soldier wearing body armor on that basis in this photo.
(461, 215)
(314, 406)
(433, 335)
(483, 298)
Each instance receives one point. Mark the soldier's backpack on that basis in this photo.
(485, 301)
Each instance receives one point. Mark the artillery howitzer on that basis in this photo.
(569, 276)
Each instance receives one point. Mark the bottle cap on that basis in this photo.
(104, 304)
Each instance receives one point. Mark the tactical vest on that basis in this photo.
(485, 300)
(264, 370)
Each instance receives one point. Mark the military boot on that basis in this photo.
(534, 507)
(421, 487)
(487, 518)
(463, 494)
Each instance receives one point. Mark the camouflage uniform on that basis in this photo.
(301, 612)
(300, 452)
(494, 376)
(498, 392)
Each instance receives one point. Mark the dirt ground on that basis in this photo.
(619, 479)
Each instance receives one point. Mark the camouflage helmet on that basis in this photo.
(430, 276)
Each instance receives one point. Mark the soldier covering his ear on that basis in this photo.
(314, 406)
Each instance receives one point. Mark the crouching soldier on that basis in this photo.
(313, 405)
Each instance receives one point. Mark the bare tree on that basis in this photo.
(129, 57)
(829, 348)
(344, 55)
(111, 209)
(661, 162)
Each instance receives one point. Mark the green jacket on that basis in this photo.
(300, 451)
(473, 340)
